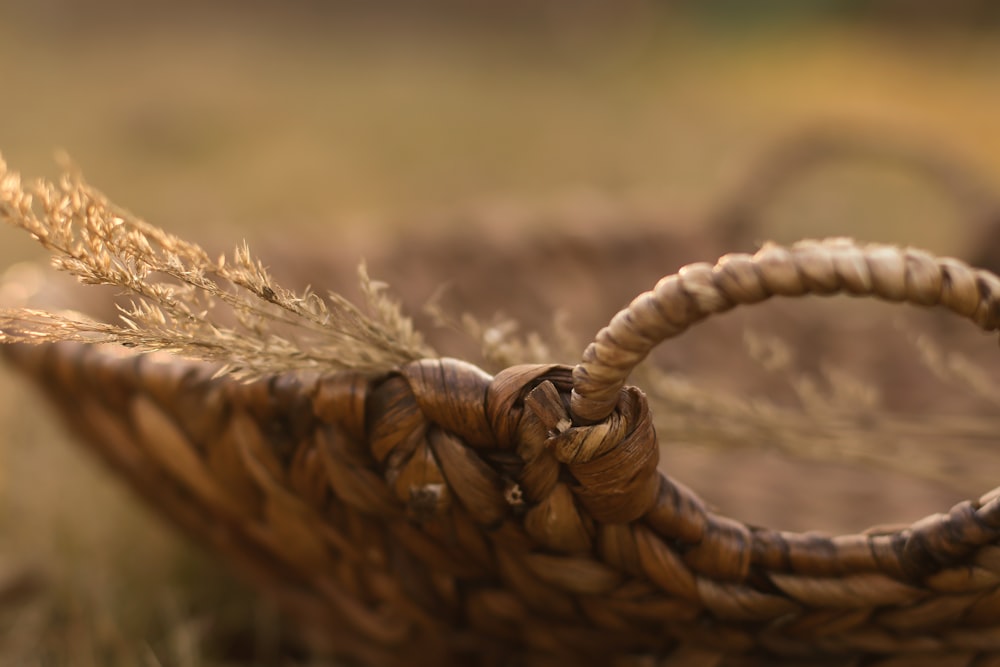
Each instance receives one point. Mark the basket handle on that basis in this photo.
(832, 266)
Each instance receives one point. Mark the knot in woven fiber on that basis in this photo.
(613, 462)
(445, 427)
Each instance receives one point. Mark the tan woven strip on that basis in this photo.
(810, 267)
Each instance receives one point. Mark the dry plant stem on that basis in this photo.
(500, 342)
(176, 287)
(841, 420)
(922, 446)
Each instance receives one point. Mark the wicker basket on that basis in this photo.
(437, 515)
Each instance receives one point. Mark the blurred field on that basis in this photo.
(311, 127)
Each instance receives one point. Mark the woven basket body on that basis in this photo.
(439, 515)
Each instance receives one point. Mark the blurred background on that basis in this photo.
(327, 131)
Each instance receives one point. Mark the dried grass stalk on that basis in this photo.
(181, 295)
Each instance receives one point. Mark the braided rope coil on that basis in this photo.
(438, 515)
(835, 266)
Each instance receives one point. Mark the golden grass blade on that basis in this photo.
(183, 300)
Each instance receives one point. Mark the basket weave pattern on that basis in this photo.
(437, 515)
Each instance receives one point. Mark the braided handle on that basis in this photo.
(827, 267)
